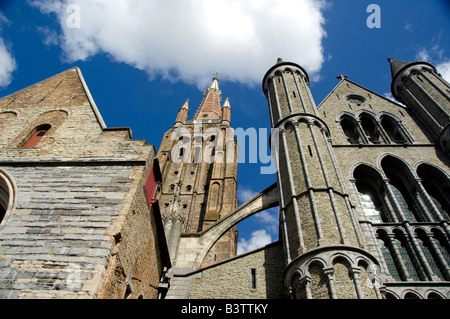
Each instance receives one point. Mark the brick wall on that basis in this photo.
(77, 211)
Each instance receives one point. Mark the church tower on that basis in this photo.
(419, 86)
(316, 218)
(198, 161)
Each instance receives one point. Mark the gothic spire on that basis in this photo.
(210, 107)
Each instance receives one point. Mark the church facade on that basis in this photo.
(363, 186)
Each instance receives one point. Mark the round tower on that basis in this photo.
(419, 86)
(321, 235)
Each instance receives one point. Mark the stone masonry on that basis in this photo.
(76, 210)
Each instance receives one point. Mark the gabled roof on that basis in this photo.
(345, 80)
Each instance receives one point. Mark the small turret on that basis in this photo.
(420, 87)
(226, 111)
(183, 113)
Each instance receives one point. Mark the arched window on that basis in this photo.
(350, 128)
(411, 295)
(401, 183)
(434, 295)
(4, 199)
(442, 245)
(429, 253)
(388, 254)
(437, 186)
(392, 129)
(39, 133)
(406, 256)
(370, 127)
(5, 196)
(372, 196)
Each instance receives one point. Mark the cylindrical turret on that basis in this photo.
(419, 86)
(315, 213)
(183, 113)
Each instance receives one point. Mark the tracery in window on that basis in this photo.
(372, 196)
(387, 252)
(370, 127)
(437, 186)
(392, 129)
(429, 254)
(350, 128)
(401, 244)
(402, 185)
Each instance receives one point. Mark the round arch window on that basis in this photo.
(356, 99)
(6, 195)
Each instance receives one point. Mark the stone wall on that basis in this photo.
(77, 218)
(232, 278)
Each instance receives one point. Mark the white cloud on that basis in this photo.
(7, 61)
(444, 69)
(191, 39)
(269, 220)
(7, 64)
(265, 222)
(258, 239)
(244, 194)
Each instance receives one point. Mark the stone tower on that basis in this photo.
(199, 171)
(419, 86)
(316, 217)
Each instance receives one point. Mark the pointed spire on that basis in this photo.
(226, 111)
(215, 84)
(227, 103)
(186, 105)
(397, 66)
(183, 113)
(210, 108)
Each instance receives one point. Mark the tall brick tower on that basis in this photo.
(419, 86)
(198, 161)
(316, 218)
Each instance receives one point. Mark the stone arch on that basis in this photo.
(54, 119)
(393, 128)
(436, 183)
(434, 294)
(8, 193)
(391, 295)
(319, 281)
(369, 277)
(343, 278)
(370, 126)
(195, 253)
(369, 184)
(350, 128)
(410, 294)
(402, 183)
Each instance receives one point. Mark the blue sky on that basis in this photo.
(143, 59)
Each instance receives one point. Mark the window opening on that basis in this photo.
(41, 131)
(253, 272)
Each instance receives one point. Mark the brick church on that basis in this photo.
(363, 186)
